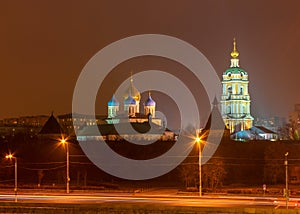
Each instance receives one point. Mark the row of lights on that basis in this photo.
(10, 157)
(63, 141)
(198, 140)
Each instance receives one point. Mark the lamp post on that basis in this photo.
(10, 156)
(286, 180)
(64, 142)
(198, 141)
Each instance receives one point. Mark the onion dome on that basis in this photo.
(113, 101)
(234, 53)
(132, 90)
(236, 70)
(129, 100)
(150, 101)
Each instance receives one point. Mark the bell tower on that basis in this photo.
(235, 99)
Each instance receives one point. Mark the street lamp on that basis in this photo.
(10, 156)
(198, 141)
(64, 142)
(286, 180)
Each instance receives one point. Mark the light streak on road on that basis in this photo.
(225, 201)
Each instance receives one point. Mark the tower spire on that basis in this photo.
(131, 80)
(234, 53)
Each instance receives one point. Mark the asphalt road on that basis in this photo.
(205, 201)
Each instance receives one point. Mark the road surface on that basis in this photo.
(205, 201)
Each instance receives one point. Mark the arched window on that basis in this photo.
(229, 110)
(229, 89)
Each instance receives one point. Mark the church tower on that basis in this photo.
(112, 107)
(235, 99)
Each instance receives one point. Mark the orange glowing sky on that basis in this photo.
(45, 44)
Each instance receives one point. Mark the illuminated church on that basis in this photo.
(131, 108)
(146, 126)
(235, 99)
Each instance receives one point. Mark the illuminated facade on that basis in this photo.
(131, 108)
(235, 99)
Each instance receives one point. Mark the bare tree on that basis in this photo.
(273, 169)
(189, 173)
(213, 174)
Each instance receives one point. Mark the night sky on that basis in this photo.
(45, 44)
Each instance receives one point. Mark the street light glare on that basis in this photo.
(10, 156)
(64, 142)
(198, 139)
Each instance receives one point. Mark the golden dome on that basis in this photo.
(234, 53)
(132, 90)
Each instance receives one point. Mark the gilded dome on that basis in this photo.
(132, 90)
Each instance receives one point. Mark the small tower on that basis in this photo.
(112, 107)
(130, 106)
(235, 100)
(149, 106)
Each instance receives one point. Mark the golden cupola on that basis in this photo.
(234, 53)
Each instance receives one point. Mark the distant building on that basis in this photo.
(29, 121)
(275, 124)
(255, 133)
(294, 123)
(235, 99)
(70, 122)
(30, 125)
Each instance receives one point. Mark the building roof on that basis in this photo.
(236, 70)
(129, 100)
(215, 120)
(242, 135)
(261, 130)
(113, 101)
(51, 126)
(150, 101)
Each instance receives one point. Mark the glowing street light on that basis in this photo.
(64, 142)
(198, 141)
(10, 156)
